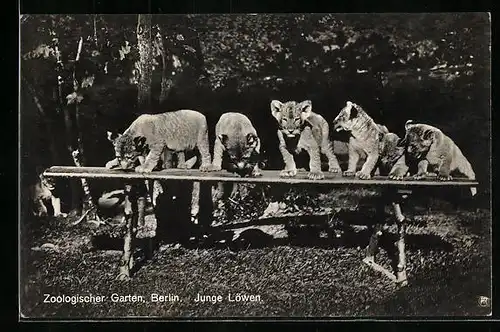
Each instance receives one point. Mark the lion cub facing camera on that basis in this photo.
(236, 136)
(298, 120)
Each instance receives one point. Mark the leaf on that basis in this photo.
(88, 81)
(74, 97)
(124, 50)
(42, 51)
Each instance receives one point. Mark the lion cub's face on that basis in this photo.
(346, 118)
(243, 155)
(128, 149)
(417, 140)
(291, 116)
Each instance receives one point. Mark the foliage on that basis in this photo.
(230, 61)
(269, 49)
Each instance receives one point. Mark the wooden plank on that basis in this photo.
(268, 176)
(381, 269)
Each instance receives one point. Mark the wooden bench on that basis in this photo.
(394, 193)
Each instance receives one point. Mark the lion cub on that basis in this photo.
(298, 119)
(435, 152)
(392, 160)
(172, 131)
(235, 137)
(42, 191)
(364, 140)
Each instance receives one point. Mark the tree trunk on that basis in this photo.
(68, 127)
(95, 32)
(145, 63)
(76, 87)
(78, 154)
(166, 83)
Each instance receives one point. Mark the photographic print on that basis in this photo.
(245, 166)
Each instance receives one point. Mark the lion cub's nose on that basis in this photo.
(241, 165)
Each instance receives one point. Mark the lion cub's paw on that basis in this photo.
(216, 168)
(444, 177)
(315, 175)
(112, 164)
(335, 170)
(142, 169)
(362, 175)
(206, 168)
(287, 173)
(418, 176)
(256, 173)
(396, 177)
(397, 174)
(349, 173)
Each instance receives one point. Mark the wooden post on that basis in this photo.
(396, 197)
(134, 215)
(377, 233)
(377, 230)
(401, 278)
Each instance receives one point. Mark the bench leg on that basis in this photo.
(374, 239)
(195, 203)
(377, 231)
(400, 276)
(134, 210)
(400, 245)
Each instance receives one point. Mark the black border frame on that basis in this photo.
(262, 6)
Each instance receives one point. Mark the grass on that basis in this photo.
(299, 269)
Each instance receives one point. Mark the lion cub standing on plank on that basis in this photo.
(435, 152)
(172, 131)
(298, 119)
(236, 136)
(364, 140)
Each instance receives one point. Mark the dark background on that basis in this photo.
(432, 68)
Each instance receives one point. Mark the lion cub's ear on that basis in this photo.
(112, 136)
(253, 141)
(275, 109)
(305, 109)
(351, 108)
(409, 124)
(427, 137)
(223, 139)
